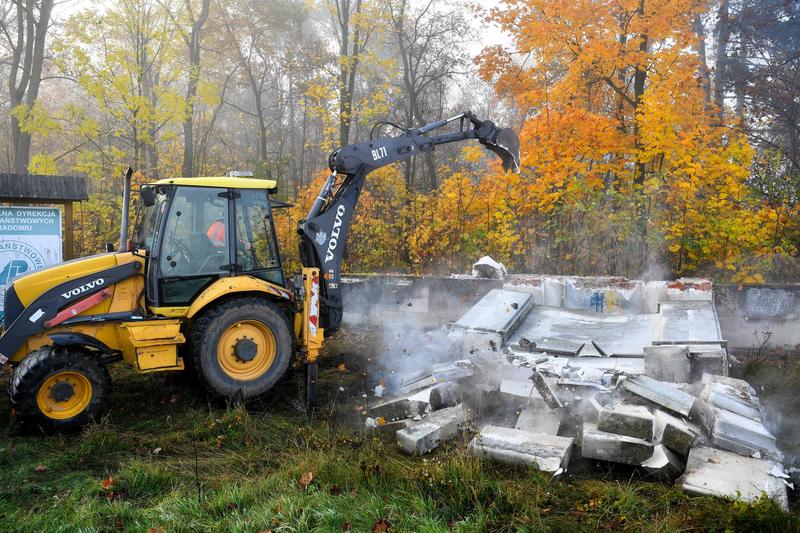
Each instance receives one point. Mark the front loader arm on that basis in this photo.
(324, 231)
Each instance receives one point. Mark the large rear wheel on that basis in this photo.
(241, 347)
(59, 390)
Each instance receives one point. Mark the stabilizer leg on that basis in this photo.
(311, 385)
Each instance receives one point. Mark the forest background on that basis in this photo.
(659, 138)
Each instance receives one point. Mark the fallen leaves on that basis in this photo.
(305, 480)
(40, 468)
(110, 491)
(381, 525)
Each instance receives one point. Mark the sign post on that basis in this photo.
(30, 238)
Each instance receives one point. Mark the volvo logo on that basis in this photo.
(337, 227)
(77, 291)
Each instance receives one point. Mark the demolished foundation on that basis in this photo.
(632, 373)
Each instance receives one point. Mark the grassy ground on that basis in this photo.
(165, 460)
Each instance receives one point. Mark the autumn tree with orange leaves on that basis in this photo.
(627, 163)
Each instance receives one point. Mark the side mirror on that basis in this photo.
(147, 195)
(110, 247)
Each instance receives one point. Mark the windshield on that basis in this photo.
(147, 222)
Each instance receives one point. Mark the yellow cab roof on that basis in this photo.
(222, 182)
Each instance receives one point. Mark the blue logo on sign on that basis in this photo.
(12, 269)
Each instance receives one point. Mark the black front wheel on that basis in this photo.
(241, 347)
(59, 390)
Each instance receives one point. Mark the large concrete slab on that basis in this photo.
(548, 453)
(737, 433)
(668, 363)
(662, 393)
(499, 311)
(596, 444)
(631, 366)
(719, 473)
(539, 418)
(689, 322)
(562, 329)
(733, 399)
(626, 419)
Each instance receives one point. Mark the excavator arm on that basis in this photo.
(324, 231)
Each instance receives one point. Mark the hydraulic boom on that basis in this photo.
(324, 231)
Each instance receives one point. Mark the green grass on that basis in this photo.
(236, 469)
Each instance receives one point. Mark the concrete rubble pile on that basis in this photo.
(543, 385)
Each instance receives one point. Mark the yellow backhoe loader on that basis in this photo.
(199, 284)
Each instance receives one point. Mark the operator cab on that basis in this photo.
(197, 230)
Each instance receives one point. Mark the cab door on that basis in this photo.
(256, 245)
(195, 246)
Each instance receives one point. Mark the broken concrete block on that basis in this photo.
(661, 393)
(454, 371)
(512, 372)
(546, 390)
(445, 394)
(655, 292)
(548, 453)
(481, 343)
(596, 444)
(589, 409)
(540, 419)
(440, 426)
(397, 409)
(419, 438)
(553, 289)
(720, 473)
(519, 389)
(497, 312)
(690, 289)
(737, 433)
(738, 399)
(626, 419)
(533, 286)
(560, 346)
(667, 363)
(486, 267)
(673, 433)
(710, 361)
(738, 384)
(663, 464)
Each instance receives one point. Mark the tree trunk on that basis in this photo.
(639, 81)
(188, 167)
(25, 73)
(349, 51)
(721, 63)
(700, 48)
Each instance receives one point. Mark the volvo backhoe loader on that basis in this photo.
(199, 285)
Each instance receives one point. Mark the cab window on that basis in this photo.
(256, 246)
(195, 243)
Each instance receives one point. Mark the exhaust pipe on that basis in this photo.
(126, 208)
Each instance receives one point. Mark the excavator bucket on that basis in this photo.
(506, 145)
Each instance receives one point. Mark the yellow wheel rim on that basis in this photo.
(247, 350)
(64, 395)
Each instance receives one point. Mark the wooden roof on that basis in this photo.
(34, 187)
